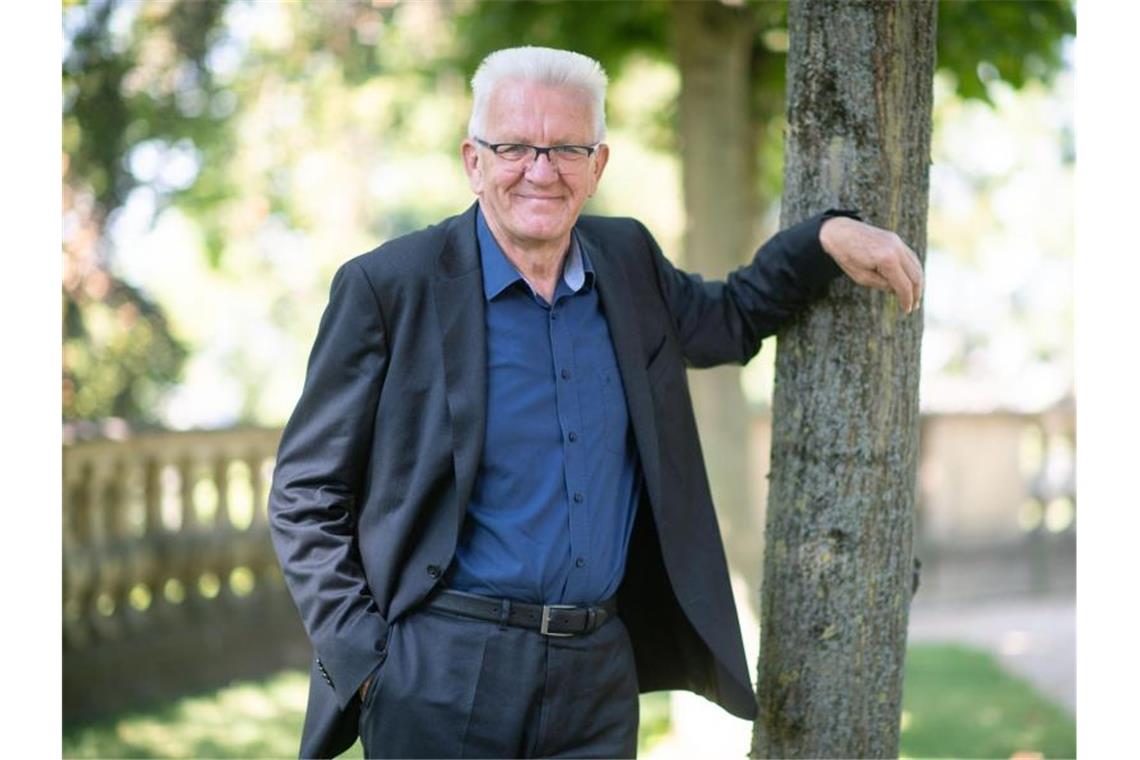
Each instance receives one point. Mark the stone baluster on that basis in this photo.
(186, 493)
(222, 520)
(113, 504)
(108, 545)
(225, 541)
(152, 490)
(186, 563)
(263, 561)
(147, 548)
(79, 562)
(258, 489)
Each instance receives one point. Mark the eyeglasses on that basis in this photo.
(567, 155)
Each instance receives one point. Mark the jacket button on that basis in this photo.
(433, 571)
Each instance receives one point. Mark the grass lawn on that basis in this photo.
(957, 703)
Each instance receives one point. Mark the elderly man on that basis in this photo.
(490, 504)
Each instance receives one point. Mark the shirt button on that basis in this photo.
(573, 436)
(565, 374)
(580, 562)
(433, 571)
(578, 497)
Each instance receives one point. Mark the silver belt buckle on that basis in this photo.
(545, 629)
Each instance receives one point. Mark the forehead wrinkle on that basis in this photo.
(512, 115)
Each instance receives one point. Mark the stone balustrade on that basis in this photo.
(170, 582)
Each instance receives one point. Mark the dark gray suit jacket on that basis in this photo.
(378, 459)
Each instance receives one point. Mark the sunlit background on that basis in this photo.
(221, 159)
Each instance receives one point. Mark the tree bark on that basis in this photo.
(718, 169)
(838, 567)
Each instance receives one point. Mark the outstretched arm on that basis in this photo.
(720, 322)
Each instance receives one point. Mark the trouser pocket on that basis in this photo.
(422, 703)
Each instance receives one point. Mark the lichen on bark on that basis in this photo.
(837, 586)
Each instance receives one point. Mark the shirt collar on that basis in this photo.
(499, 273)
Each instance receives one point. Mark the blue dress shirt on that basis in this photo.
(554, 500)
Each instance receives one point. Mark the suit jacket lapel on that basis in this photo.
(459, 304)
(614, 290)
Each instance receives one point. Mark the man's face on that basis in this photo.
(534, 201)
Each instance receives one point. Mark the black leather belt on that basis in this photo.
(548, 619)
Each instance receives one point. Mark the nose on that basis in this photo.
(542, 169)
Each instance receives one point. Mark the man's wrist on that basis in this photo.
(828, 231)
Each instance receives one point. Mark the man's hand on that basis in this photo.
(874, 258)
(364, 687)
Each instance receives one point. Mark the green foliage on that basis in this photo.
(958, 702)
(978, 40)
(1016, 41)
(154, 93)
(147, 88)
(202, 110)
(150, 83)
(606, 31)
(118, 353)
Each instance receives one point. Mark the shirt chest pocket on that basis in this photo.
(603, 403)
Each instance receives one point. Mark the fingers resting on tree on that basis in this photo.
(874, 258)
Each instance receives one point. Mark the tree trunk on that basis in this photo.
(838, 561)
(718, 168)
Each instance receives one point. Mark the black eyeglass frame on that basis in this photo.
(549, 150)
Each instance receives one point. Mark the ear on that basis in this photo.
(601, 157)
(472, 164)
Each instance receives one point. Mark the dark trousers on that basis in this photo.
(453, 686)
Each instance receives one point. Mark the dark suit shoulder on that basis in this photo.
(626, 239)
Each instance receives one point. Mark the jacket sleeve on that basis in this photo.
(321, 461)
(722, 322)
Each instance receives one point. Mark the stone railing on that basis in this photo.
(997, 504)
(996, 507)
(170, 582)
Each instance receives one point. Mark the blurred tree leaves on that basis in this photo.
(118, 354)
(978, 40)
(148, 85)
(155, 93)
(606, 31)
(1015, 41)
(150, 101)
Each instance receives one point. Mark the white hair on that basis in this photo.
(561, 68)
